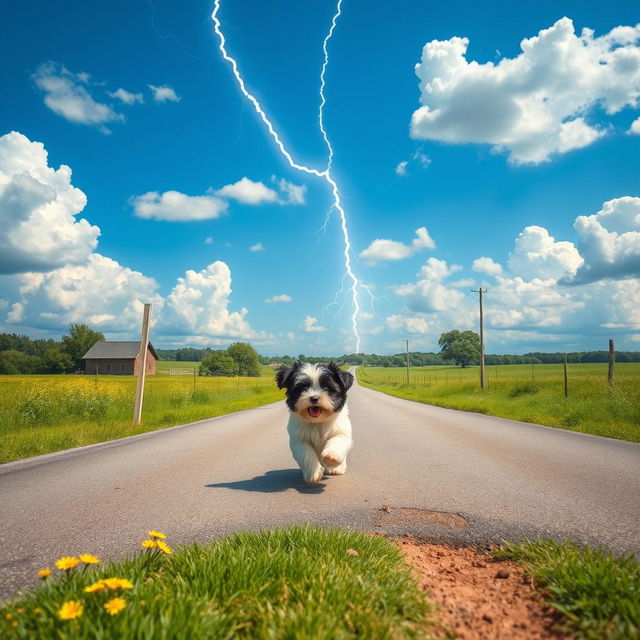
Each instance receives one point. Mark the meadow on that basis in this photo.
(44, 413)
(529, 393)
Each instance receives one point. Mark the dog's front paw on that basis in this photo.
(331, 458)
(313, 476)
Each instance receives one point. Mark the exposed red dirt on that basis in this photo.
(480, 598)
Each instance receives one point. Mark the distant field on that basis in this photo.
(184, 367)
(526, 393)
(163, 367)
(44, 413)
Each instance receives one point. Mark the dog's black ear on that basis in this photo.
(344, 377)
(284, 375)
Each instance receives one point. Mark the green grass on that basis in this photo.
(163, 367)
(597, 592)
(298, 583)
(530, 395)
(40, 414)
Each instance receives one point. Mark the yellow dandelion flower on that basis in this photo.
(96, 586)
(67, 562)
(156, 535)
(70, 610)
(125, 584)
(165, 548)
(14, 623)
(8, 616)
(115, 605)
(44, 573)
(37, 611)
(148, 544)
(20, 610)
(88, 558)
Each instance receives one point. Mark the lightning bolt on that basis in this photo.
(325, 174)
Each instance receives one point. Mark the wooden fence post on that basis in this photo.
(612, 363)
(142, 362)
(566, 380)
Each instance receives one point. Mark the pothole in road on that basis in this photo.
(390, 516)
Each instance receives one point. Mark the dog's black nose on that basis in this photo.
(314, 399)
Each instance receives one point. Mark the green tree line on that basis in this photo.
(20, 354)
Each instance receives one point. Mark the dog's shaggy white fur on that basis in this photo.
(319, 426)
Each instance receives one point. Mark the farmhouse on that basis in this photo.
(118, 358)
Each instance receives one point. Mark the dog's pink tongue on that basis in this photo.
(314, 412)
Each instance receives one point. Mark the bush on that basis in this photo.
(218, 363)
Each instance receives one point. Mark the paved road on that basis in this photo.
(440, 473)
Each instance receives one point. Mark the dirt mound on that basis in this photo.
(480, 599)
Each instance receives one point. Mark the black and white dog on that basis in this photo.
(319, 426)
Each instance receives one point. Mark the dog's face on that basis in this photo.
(315, 392)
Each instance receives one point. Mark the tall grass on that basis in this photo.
(40, 414)
(521, 392)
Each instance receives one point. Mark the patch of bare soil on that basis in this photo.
(480, 599)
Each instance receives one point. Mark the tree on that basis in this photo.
(55, 360)
(80, 339)
(460, 346)
(218, 363)
(246, 359)
(13, 362)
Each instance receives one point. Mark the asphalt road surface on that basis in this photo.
(432, 472)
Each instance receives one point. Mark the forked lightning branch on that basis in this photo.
(325, 173)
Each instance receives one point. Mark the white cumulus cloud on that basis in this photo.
(537, 255)
(635, 127)
(38, 205)
(429, 294)
(310, 325)
(534, 105)
(67, 95)
(610, 241)
(175, 206)
(257, 247)
(283, 297)
(409, 324)
(401, 168)
(101, 292)
(248, 192)
(126, 96)
(487, 265)
(164, 93)
(199, 305)
(382, 250)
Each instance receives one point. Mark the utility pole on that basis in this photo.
(142, 364)
(407, 342)
(481, 291)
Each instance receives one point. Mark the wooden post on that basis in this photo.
(612, 363)
(142, 363)
(566, 380)
(407, 361)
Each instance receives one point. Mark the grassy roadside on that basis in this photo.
(301, 582)
(41, 414)
(597, 592)
(528, 394)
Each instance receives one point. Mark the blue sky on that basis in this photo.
(520, 166)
